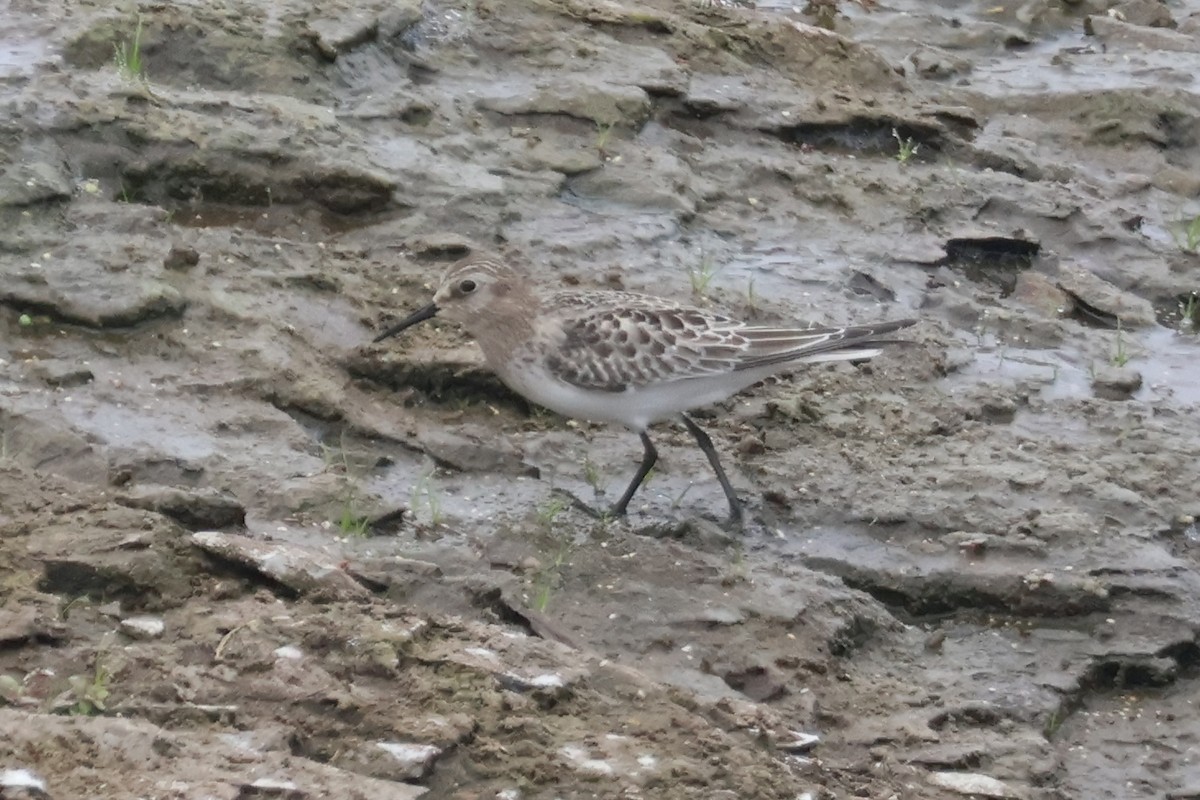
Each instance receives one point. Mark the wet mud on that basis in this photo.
(244, 552)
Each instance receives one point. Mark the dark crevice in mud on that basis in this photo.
(1178, 129)
(302, 409)
(177, 178)
(1116, 590)
(441, 251)
(911, 597)
(1123, 673)
(852, 636)
(389, 523)
(1129, 672)
(1089, 315)
(983, 716)
(618, 27)
(660, 94)
(39, 637)
(315, 222)
(440, 383)
(162, 309)
(76, 579)
(1186, 655)
(757, 684)
(996, 162)
(967, 760)
(493, 601)
(863, 284)
(865, 136)
(177, 175)
(247, 574)
(1180, 312)
(194, 512)
(700, 124)
(375, 585)
(995, 261)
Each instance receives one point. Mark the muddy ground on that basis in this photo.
(246, 553)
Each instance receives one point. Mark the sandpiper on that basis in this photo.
(611, 356)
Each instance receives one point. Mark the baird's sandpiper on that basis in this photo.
(610, 356)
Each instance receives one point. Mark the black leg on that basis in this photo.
(735, 505)
(651, 456)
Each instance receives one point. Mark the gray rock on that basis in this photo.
(25, 183)
(271, 787)
(556, 151)
(335, 35)
(19, 783)
(75, 292)
(1038, 292)
(1116, 383)
(200, 763)
(409, 761)
(796, 741)
(1150, 13)
(715, 94)
(802, 51)
(143, 627)
(299, 569)
(650, 68)
(1090, 289)
(398, 16)
(60, 373)
(181, 259)
(469, 452)
(947, 755)
(1115, 32)
(192, 508)
(650, 180)
(582, 98)
(973, 783)
(46, 441)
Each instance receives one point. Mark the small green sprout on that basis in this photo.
(908, 148)
(1120, 355)
(701, 275)
(1187, 234)
(91, 694)
(127, 55)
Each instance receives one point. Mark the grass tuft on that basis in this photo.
(1120, 356)
(91, 693)
(908, 148)
(127, 55)
(701, 275)
(425, 492)
(337, 461)
(1187, 234)
(1189, 313)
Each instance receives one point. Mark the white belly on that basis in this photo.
(637, 407)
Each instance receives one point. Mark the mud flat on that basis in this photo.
(245, 553)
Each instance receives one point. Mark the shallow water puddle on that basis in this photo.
(1166, 360)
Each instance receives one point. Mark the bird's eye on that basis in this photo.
(467, 286)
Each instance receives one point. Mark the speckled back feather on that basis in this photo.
(625, 340)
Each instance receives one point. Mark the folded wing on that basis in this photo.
(636, 340)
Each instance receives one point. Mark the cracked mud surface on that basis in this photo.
(246, 553)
